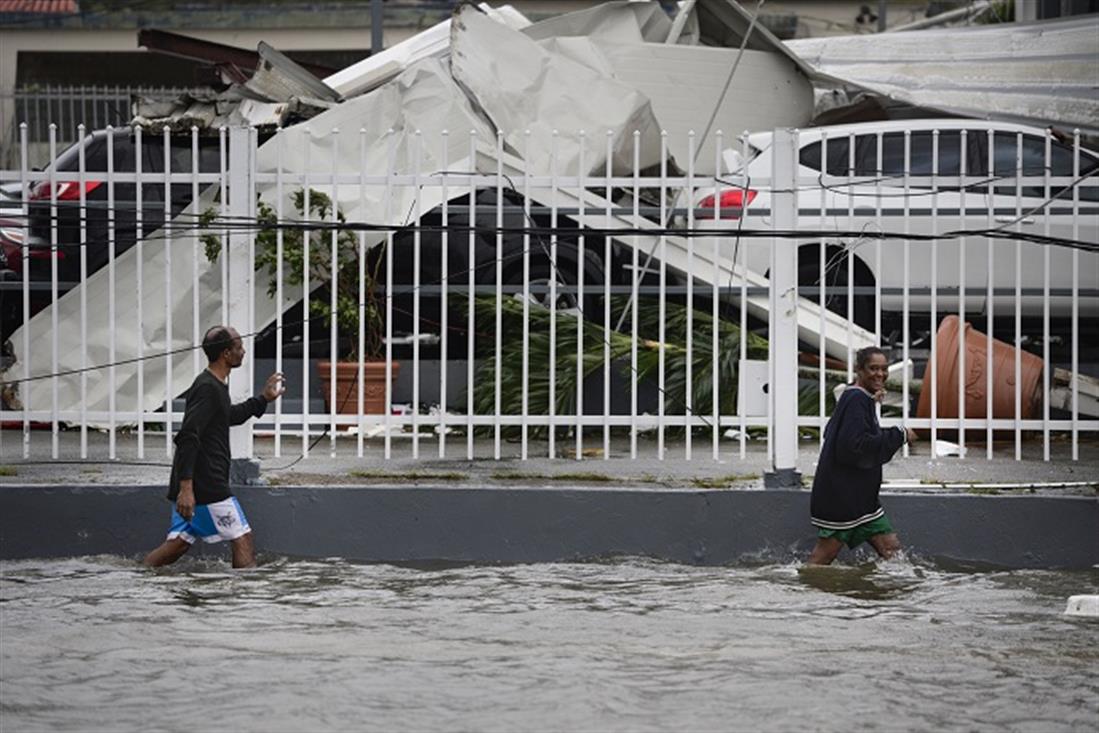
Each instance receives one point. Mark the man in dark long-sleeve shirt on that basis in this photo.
(844, 505)
(199, 486)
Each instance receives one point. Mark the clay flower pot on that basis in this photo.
(347, 386)
(977, 365)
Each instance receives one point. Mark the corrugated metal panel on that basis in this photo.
(1037, 73)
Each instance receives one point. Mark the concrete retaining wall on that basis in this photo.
(550, 524)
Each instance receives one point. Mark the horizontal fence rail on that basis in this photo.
(436, 295)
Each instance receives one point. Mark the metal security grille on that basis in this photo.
(66, 107)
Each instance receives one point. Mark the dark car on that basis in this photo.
(97, 191)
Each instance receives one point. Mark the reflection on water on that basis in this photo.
(101, 644)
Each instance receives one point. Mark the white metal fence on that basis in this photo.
(524, 312)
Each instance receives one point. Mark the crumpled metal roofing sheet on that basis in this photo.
(1036, 73)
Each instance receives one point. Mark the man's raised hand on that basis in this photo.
(275, 387)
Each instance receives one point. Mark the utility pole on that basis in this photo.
(377, 45)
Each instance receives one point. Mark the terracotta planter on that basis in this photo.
(347, 386)
(976, 378)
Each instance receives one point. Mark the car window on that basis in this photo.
(865, 160)
(1013, 153)
(95, 156)
(209, 156)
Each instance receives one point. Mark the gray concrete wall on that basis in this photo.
(550, 524)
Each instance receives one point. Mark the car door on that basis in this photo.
(923, 193)
(1021, 202)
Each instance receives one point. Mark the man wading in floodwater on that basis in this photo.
(844, 506)
(204, 506)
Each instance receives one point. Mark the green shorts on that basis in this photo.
(855, 537)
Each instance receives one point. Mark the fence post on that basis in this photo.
(244, 469)
(783, 326)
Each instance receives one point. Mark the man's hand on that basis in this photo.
(185, 502)
(275, 387)
(910, 435)
(879, 395)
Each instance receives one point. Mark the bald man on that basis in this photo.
(204, 507)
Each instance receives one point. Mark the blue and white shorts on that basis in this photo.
(223, 520)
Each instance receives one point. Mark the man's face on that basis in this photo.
(236, 351)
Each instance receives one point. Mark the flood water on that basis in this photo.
(101, 644)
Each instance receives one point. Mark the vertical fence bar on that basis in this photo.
(306, 291)
(715, 403)
(24, 187)
(68, 102)
(552, 407)
(1048, 206)
(498, 344)
(850, 257)
(962, 190)
(223, 192)
(82, 166)
(580, 304)
(877, 245)
(933, 365)
(279, 276)
(688, 408)
(361, 303)
(525, 419)
(55, 436)
(906, 336)
(990, 291)
(444, 316)
(391, 172)
(634, 296)
(662, 304)
(1018, 294)
(196, 169)
(417, 162)
(139, 246)
(34, 116)
(743, 251)
(253, 217)
(822, 269)
(607, 254)
(168, 411)
(112, 349)
(1075, 297)
(471, 322)
(334, 299)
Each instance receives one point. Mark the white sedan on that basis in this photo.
(923, 176)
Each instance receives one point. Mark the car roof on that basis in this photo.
(918, 124)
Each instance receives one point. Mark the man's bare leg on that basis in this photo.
(886, 545)
(825, 552)
(244, 552)
(167, 553)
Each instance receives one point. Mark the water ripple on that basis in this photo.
(98, 643)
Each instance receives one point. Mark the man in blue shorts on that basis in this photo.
(204, 506)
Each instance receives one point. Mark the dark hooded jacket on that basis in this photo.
(848, 477)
